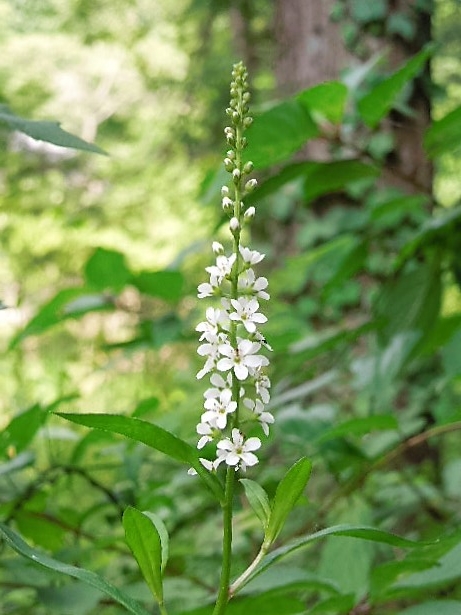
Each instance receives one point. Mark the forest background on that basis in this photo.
(357, 129)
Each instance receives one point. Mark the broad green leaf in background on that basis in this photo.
(348, 562)
(326, 100)
(166, 285)
(445, 572)
(364, 11)
(148, 546)
(325, 177)
(258, 499)
(267, 603)
(151, 435)
(378, 102)
(67, 303)
(90, 578)
(434, 607)
(410, 302)
(335, 605)
(279, 132)
(287, 494)
(444, 135)
(360, 426)
(107, 269)
(51, 132)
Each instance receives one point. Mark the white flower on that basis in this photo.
(208, 430)
(214, 320)
(263, 384)
(248, 284)
(250, 256)
(211, 351)
(246, 312)
(219, 408)
(222, 268)
(265, 418)
(237, 452)
(243, 360)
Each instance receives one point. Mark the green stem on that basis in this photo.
(244, 577)
(223, 594)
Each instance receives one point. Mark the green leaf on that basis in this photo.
(445, 572)
(434, 607)
(67, 303)
(153, 436)
(325, 177)
(354, 531)
(348, 562)
(106, 269)
(378, 102)
(364, 11)
(90, 578)
(288, 492)
(335, 605)
(145, 542)
(326, 100)
(22, 428)
(258, 499)
(166, 285)
(361, 426)
(444, 135)
(279, 132)
(410, 302)
(51, 132)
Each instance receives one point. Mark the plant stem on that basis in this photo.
(243, 578)
(223, 594)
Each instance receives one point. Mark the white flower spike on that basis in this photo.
(230, 340)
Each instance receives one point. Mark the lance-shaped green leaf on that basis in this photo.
(378, 102)
(354, 531)
(51, 132)
(149, 546)
(87, 576)
(152, 435)
(288, 492)
(258, 499)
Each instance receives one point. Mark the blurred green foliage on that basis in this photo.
(100, 260)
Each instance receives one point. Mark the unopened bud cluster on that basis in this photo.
(229, 336)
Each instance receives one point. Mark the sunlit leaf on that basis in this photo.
(288, 493)
(90, 578)
(22, 428)
(51, 132)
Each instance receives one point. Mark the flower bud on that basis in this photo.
(217, 247)
(224, 191)
(228, 165)
(234, 224)
(227, 204)
(235, 117)
(248, 121)
(246, 97)
(236, 175)
(248, 167)
(251, 185)
(231, 154)
(250, 213)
